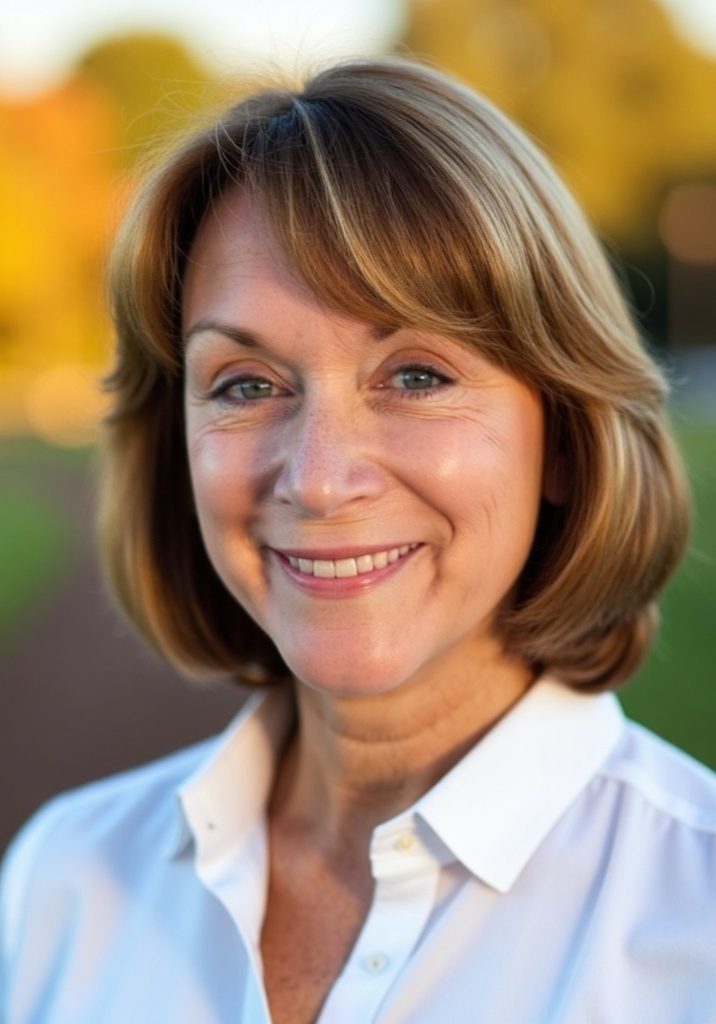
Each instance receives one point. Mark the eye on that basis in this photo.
(236, 390)
(416, 379)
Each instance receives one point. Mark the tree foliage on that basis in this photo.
(621, 103)
(66, 160)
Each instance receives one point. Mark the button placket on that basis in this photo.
(401, 906)
(375, 963)
(405, 842)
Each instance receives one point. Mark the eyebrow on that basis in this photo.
(238, 334)
(242, 336)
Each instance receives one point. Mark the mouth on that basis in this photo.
(351, 566)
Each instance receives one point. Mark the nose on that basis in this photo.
(326, 463)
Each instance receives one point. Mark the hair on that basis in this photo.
(402, 198)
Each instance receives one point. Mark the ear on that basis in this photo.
(555, 488)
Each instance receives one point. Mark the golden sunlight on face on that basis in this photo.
(369, 500)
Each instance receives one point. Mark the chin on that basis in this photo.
(364, 675)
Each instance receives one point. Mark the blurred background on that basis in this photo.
(620, 93)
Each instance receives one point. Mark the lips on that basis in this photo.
(344, 568)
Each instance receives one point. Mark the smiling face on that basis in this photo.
(368, 497)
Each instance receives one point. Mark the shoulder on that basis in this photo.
(94, 889)
(115, 819)
(649, 822)
(112, 803)
(663, 779)
(649, 858)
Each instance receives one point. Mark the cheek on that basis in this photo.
(222, 476)
(488, 484)
(474, 466)
(225, 498)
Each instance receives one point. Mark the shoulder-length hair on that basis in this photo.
(402, 199)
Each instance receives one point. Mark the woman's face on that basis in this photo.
(369, 498)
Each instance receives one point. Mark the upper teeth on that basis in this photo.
(329, 568)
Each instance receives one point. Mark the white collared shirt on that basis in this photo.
(564, 872)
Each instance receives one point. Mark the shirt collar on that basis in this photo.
(495, 807)
(492, 810)
(214, 809)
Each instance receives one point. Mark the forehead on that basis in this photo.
(235, 221)
(235, 243)
(238, 274)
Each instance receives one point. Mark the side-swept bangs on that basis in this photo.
(402, 199)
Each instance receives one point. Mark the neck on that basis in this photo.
(355, 762)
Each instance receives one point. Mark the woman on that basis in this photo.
(384, 444)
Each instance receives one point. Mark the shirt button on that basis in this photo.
(405, 842)
(375, 963)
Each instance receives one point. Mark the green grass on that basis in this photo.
(675, 693)
(37, 537)
(36, 545)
